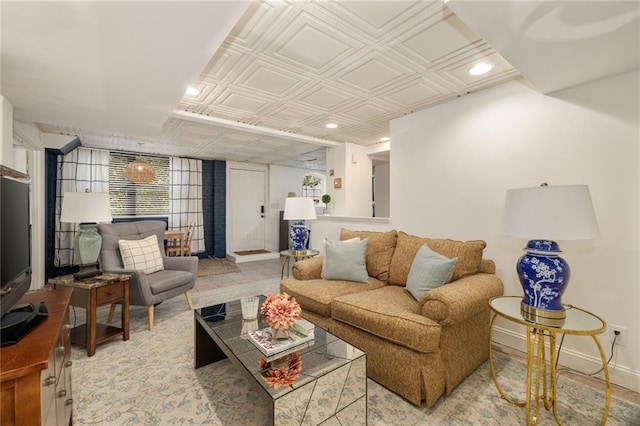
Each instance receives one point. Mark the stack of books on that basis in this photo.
(301, 332)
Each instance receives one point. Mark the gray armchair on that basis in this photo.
(178, 277)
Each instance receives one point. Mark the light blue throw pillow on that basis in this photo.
(429, 270)
(346, 261)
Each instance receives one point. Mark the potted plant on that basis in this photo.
(326, 199)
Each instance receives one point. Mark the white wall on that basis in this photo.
(381, 189)
(357, 182)
(452, 164)
(282, 180)
(330, 226)
(351, 163)
(6, 134)
(336, 162)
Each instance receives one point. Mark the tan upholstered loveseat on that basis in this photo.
(417, 348)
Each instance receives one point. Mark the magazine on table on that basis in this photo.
(300, 332)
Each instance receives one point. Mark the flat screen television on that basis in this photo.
(15, 240)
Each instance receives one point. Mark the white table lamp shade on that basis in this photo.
(299, 208)
(550, 212)
(85, 207)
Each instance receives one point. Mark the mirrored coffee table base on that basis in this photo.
(331, 384)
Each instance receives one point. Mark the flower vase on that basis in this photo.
(279, 333)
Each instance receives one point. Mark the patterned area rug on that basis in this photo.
(150, 379)
(215, 266)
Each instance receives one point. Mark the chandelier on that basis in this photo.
(139, 171)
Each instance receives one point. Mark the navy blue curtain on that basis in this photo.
(214, 195)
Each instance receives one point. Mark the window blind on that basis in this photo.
(131, 199)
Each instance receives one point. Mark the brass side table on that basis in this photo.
(90, 294)
(578, 322)
(296, 255)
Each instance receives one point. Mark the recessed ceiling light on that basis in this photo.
(192, 91)
(385, 139)
(480, 68)
(331, 126)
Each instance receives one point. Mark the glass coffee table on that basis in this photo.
(323, 379)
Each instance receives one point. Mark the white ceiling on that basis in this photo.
(559, 44)
(272, 73)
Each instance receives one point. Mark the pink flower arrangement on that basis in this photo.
(280, 311)
(283, 371)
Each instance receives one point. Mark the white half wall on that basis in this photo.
(453, 163)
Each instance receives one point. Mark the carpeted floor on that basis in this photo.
(150, 379)
(215, 266)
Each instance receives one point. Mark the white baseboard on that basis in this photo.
(620, 375)
(235, 258)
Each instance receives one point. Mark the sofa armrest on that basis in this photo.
(454, 302)
(308, 269)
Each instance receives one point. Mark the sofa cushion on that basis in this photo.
(429, 270)
(346, 261)
(469, 254)
(141, 255)
(379, 250)
(389, 312)
(324, 252)
(316, 295)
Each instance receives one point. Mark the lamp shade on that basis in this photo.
(299, 208)
(85, 207)
(550, 212)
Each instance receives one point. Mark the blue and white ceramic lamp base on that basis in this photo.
(299, 235)
(544, 276)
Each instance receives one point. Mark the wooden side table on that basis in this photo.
(90, 294)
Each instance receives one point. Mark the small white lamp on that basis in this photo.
(86, 209)
(544, 214)
(299, 209)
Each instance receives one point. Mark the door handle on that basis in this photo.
(261, 211)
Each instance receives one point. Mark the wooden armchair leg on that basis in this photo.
(112, 311)
(150, 315)
(188, 296)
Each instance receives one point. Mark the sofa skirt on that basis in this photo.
(415, 376)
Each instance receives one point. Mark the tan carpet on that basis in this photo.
(215, 266)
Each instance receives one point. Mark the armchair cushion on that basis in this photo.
(162, 281)
(143, 255)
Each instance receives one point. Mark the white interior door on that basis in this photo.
(247, 209)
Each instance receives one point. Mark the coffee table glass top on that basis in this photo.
(278, 374)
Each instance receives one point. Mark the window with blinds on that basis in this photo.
(130, 199)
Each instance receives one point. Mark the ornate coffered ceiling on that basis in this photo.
(289, 67)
